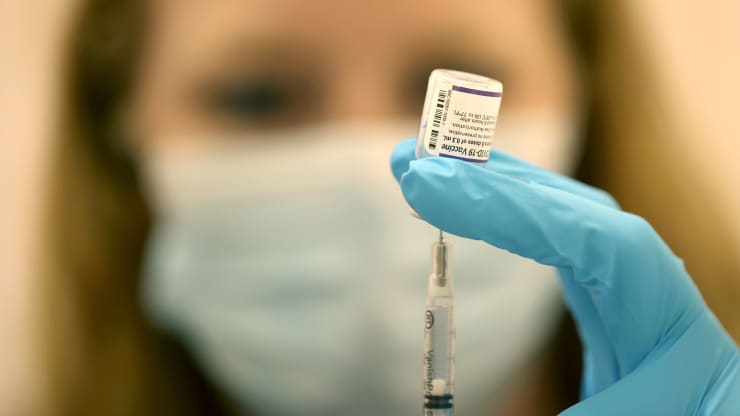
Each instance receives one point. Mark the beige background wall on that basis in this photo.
(31, 33)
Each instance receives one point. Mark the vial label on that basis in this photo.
(462, 123)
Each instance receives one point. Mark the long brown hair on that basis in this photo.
(102, 355)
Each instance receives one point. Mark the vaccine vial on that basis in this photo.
(459, 116)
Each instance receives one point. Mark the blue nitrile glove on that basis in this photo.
(651, 345)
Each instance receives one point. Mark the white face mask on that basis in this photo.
(290, 265)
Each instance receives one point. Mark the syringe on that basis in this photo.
(439, 335)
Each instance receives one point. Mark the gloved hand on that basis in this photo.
(651, 345)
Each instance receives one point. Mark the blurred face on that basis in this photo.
(231, 66)
(259, 225)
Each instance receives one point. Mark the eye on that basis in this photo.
(254, 100)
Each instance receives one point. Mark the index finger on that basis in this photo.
(500, 162)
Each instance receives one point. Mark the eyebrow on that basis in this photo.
(263, 53)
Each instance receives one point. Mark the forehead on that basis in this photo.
(350, 26)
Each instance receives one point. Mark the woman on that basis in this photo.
(154, 86)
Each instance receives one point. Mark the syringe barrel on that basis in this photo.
(439, 337)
